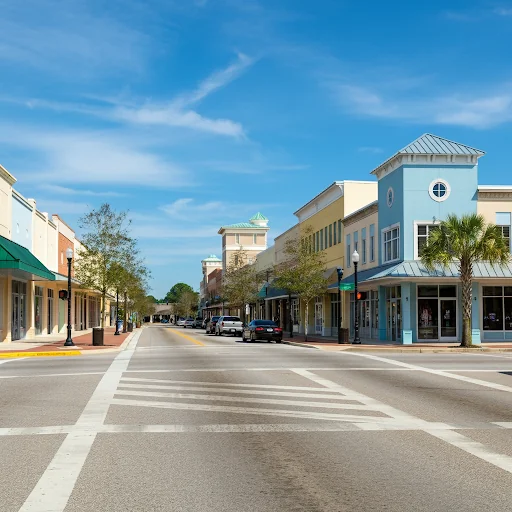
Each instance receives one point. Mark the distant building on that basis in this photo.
(251, 236)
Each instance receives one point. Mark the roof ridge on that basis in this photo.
(427, 134)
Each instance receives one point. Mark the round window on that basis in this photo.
(439, 190)
(390, 196)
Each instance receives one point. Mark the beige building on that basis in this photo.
(250, 236)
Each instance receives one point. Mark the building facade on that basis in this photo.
(250, 236)
(33, 269)
(418, 187)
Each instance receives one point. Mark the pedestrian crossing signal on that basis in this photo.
(63, 294)
(361, 295)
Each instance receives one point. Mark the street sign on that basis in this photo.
(346, 287)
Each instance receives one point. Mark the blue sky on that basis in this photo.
(198, 113)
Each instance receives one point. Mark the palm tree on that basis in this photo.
(465, 240)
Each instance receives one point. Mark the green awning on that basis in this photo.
(21, 261)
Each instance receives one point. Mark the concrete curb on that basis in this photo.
(414, 350)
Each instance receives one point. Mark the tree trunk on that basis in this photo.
(103, 299)
(306, 322)
(466, 275)
(125, 312)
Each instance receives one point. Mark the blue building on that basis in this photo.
(417, 188)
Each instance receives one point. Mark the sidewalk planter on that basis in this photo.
(97, 336)
(138, 325)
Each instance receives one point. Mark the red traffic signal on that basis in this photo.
(361, 295)
(63, 294)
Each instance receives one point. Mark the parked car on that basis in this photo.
(266, 330)
(210, 326)
(189, 322)
(228, 325)
(198, 322)
(180, 322)
(164, 321)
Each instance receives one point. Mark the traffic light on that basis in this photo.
(361, 295)
(63, 294)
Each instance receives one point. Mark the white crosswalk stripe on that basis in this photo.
(319, 403)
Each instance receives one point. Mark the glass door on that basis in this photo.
(448, 318)
(50, 311)
(15, 329)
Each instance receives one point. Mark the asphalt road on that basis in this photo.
(181, 421)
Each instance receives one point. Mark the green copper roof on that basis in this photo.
(243, 225)
(212, 257)
(258, 216)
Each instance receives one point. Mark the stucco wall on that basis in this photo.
(358, 194)
(360, 226)
(21, 221)
(489, 209)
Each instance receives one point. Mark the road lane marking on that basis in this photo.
(52, 492)
(227, 384)
(474, 448)
(447, 435)
(440, 373)
(252, 410)
(24, 354)
(226, 398)
(331, 426)
(12, 360)
(244, 391)
(189, 338)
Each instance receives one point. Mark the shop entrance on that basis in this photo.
(19, 309)
(394, 313)
(437, 313)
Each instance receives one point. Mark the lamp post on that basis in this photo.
(69, 256)
(340, 275)
(117, 333)
(290, 319)
(355, 261)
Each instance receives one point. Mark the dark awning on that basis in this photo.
(22, 262)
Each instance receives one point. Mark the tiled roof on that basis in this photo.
(429, 144)
(212, 257)
(258, 216)
(247, 225)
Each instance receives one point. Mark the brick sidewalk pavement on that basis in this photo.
(82, 342)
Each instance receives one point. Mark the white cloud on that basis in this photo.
(92, 157)
(503, 11)
(62, 207)
(475, 111)
(164, 231)
(57, 189)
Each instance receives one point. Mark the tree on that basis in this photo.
(240, 282)
(152, 299)
(302, 272)
(465, 241)
(187, 303)
(106, 244)
(174, 294)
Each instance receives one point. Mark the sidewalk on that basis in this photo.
(330, 344)
(54, 345)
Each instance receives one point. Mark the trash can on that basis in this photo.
(119, 325)
(130, 326)
(97, 336)
(344, 336)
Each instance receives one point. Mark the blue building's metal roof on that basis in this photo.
(414, 269)
(429, 144)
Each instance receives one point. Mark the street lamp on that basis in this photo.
(340, 275)
(355, 261)
(117, 333)
(69, 256)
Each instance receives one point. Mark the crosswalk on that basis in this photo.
(321, 403)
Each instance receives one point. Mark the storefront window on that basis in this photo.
(497, 308)
(437, 312)
(38, 310)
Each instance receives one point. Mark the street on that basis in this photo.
(182, 421)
